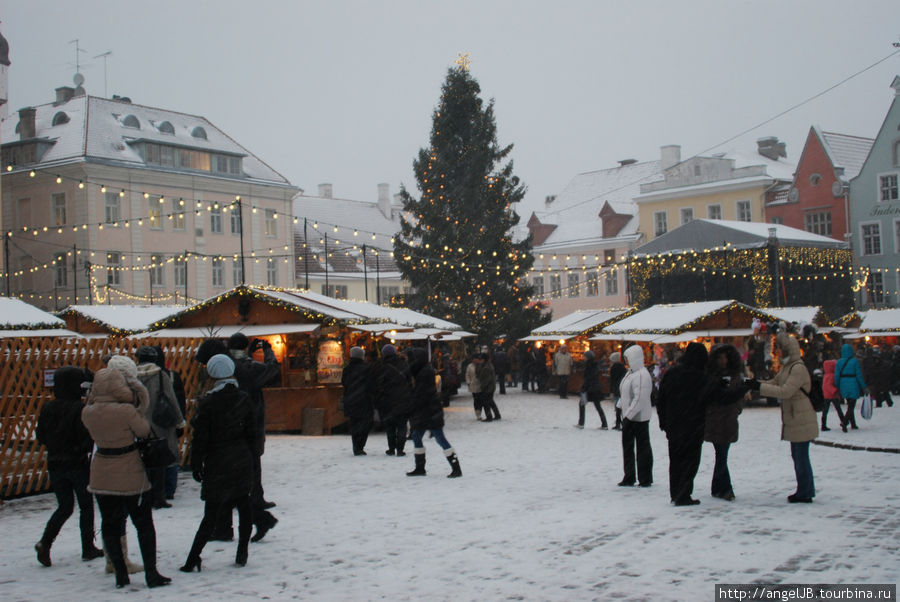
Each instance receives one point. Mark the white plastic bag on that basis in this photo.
(865, 408)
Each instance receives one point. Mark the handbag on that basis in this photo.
(155, 452)
(865, 408)
(163, 413)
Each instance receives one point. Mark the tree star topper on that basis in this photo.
(463, 61)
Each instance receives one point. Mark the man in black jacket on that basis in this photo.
(356, 380)
(392, 393)
(69, 446)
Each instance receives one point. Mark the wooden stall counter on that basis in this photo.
(285, 406)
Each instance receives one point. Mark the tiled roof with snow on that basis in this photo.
(849, 152)
(576, 209)
(95, 130)
(16, 314)
(124, 318)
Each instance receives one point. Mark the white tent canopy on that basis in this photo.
(576, 323)
(19, 315)
(126, 318)
(222, 332)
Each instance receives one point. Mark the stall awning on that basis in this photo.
(681, 337)
(44, 332)
(548, 337)
(874, 333)
(379, 328)
(221, 332)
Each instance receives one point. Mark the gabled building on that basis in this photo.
(734, 185)
(583, 234)
(875, 214)
(106, 197)
(818, 199)
(344, 248)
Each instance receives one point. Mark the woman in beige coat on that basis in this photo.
(798, 418)
(118, 478)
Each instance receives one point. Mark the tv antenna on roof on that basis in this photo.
(104, 56)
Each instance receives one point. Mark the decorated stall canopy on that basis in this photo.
(761, 265)
(878, 323)
(118, 320)
(21, 319)
(581, 322)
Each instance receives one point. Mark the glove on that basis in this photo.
(179, 432)
(198, 475)
(752, 384)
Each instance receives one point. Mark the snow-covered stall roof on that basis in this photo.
(123, 319)
(811, 314)
(707, 234)
(676, 318)
(578, 322)
(881, 320)
(16, 314)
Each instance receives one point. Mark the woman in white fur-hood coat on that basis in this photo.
(635, 389)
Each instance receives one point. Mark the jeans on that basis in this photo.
(836, 402)
(806, 487)
(563, 386)
(69, 485)
(721, 480)
(637, 435)
(171, 481)
(583, 402)
(438, 434)
(113, 509)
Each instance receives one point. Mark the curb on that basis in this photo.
(886, 450)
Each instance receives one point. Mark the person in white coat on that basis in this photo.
(634, 401)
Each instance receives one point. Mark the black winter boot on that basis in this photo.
(454, 464)
(419, 470)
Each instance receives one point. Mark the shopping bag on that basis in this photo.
(865, 408)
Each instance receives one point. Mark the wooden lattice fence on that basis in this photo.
(23, 365)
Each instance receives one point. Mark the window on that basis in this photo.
(871, 238)
(889, 189)
(687, 215)
(696, 170)
(875, 287)
(178, 214)
(387, 293)
(166, 128)
(60, 118)
(714, 211)
(131, 121)
(58, 204)
(154, 215)
(218, 272)
(271, 223)
(198, 132)
(180, 272)
(272, 274)
(157, 270)
(237, 272)
(815, 179)
(592, 284)
(897, 236)
(555, 286)
(538, 283)
(215, 219)
(743, 211)
(335, 291)
(573, 284)
(112, 214)
(660, 223)
(113, 263)
(611, 283)
(776, 220)
(236, 222)
(818, 223)
(60, 273)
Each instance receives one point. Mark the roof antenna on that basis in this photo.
(104, 56)
(78, 78)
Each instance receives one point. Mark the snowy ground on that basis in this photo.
(537, 516)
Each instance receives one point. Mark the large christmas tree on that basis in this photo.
(456, 247)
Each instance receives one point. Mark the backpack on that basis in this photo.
(815, 394)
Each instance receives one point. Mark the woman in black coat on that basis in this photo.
(392, 397)
(222, 458)
(591, 390)
(427, 413)
(681, 414)
(722, 396)
(358, 399)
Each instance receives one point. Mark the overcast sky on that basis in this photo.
(343, 91)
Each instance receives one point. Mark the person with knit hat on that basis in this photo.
(223, 436)
(392, 396)
(69, 446)
(357, 383)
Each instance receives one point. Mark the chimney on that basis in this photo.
(384, 200)
(64, 94)
(325, 191)
(548, 200)
(26, 123)
(770, 148)
(669, 156)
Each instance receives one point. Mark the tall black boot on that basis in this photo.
(193, 560)
(419, 470)
(454, 463)
(113, 548)
(245, 526)
(147, 542)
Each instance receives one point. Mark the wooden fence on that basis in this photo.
(24, 364)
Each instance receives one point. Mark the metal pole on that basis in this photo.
(243, 266)
(326, 265)
(306, 253)
(6, 236)
(186, 277)
(377, 279)
(365, 273)
(75, 271)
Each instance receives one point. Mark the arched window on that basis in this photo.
(131, 121)
(166, 128)
(198, 132)
(60, 118)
